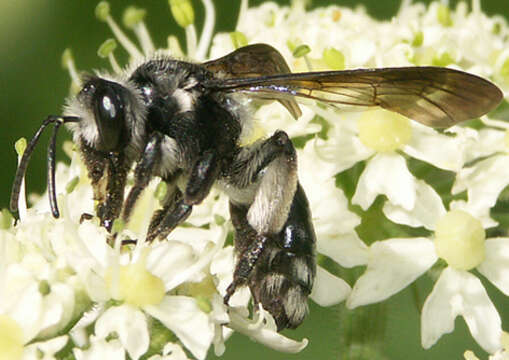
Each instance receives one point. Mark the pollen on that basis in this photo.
(384, 131)
(137, 286)
(460, 240)
(11, 339)
(336, 15)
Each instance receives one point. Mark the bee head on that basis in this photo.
(107, 103)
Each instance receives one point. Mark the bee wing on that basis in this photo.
(435, 96)
(254, 61)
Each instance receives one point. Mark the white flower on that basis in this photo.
(485, 179)
(459, 239)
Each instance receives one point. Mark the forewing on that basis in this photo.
(434, 96)
(253, 61)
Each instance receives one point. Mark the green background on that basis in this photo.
(33, 34)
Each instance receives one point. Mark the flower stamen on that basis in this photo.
(102, 12)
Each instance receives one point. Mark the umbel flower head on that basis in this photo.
(386, 193)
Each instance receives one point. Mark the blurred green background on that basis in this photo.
(33, 35)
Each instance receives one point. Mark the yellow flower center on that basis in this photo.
(11, 339)
(384, 131)
(136, 285)
(459, 240)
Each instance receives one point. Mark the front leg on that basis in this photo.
(108, 173)
(144, 172)
(178, 206)
(116, 175)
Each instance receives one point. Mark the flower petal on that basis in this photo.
(131, 326)
(262, 329)
(328, 289)
(341, 151)
(484, 181)
(440, 150)
(348, 250)
(101, 349)
(426, 212)
(328, 204)
(48, 348)
(386, 174)
(58, 309)
(496, 264)
(222, 268)
(460, 293)
(182, 315)
(393, 264)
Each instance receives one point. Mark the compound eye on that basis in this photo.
(109, 116)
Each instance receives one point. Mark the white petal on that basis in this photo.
(169, 258)
(196, 237)
(101, 349)
(442, 151)
(490, 141)
(28, 312)
(496, 264)
(483, 181)
(131, 326)
(58, 308)
(164, 263)
(393, 264)
(49, 348)
(426, 212)
(312, 162)
(172, 351)
(343, 149)
(482, 214)
(460, 293)
(348, 250)
(262, 329)
(273, 117)
(181, 315)
(96, 287)
(328, 289)
(386, 174)
(222, 268)
(329, 208)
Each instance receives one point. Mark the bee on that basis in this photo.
(182, 121)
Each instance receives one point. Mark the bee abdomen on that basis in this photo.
(282, 283)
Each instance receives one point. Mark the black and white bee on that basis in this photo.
(182, 122)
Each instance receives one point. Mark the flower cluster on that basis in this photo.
(65, 290)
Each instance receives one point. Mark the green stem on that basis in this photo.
(362, 330)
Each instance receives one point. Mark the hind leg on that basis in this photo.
(274, 238)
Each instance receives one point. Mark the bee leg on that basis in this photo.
(265, 201)
(172, 198)
(248, 244)
(279, 269)
(203, 174)
(263, 177)
(96, 166)
(116, 172)
(108, 173)
(143, 173)
(170, 218)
